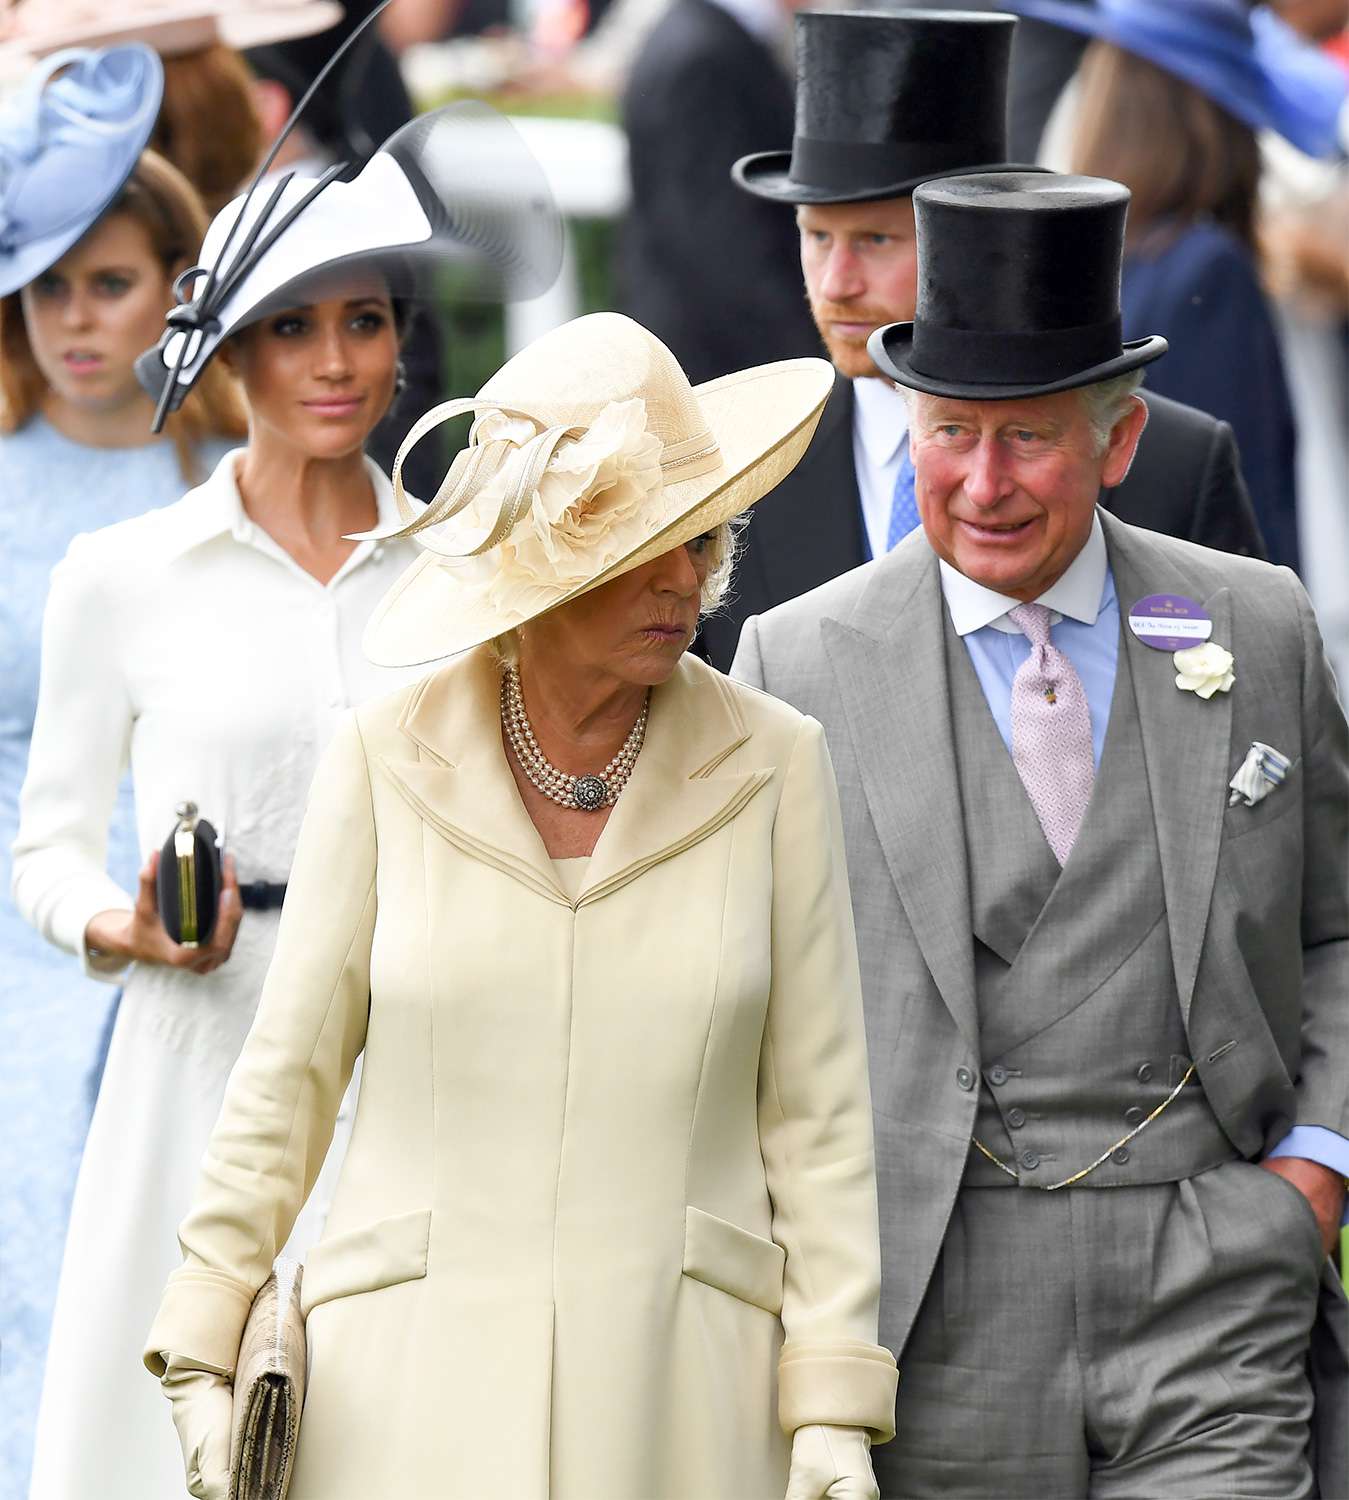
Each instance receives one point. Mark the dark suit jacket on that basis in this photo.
(1200, 289)
(1185, 481)
(709, 269)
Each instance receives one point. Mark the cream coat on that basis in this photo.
(605, 1153)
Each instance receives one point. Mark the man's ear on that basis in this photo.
(1123, 444)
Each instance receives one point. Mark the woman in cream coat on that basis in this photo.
(607, 1225)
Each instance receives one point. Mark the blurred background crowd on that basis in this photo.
(1238, 252)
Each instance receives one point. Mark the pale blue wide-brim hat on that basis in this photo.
(1252, 65)
(68, 143)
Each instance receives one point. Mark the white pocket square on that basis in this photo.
(1259, 774)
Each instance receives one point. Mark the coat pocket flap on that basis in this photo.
(366, 1259)
(733, 1260)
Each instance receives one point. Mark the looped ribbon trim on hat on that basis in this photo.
(508, 465)
(529, 513)
(511, 455)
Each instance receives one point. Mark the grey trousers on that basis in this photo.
(1127, 1343)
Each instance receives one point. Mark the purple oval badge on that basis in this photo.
(1170, 622)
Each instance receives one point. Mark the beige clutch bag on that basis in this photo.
(269, 1389)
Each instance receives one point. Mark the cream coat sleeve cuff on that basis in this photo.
(839, 1383)
(200, 1322)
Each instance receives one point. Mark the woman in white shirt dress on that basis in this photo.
(215, 645)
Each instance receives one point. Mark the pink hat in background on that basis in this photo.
(33, 28)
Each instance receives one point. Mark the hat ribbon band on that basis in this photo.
(990, 357)
(864, 165)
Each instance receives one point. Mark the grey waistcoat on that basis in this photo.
(1079, 1019)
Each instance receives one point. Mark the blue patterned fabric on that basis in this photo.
(51, 1017)
(904, 507)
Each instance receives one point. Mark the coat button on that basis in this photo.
(997, 1075)
(1120, 1155)
(1133, 1115)
(1029, 1160)
(1016, 1118)
(965, 1078)
(1144, 1074)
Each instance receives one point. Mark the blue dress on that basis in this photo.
(51, 1016)
(1199, 287)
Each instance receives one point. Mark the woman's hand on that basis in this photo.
(831, 1463)
(139, 936)
(203, 1413)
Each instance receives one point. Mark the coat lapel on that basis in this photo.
(679, 793)
(891, 666)
(1186, 742)
(457, 779)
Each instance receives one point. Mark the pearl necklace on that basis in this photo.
(588, 793)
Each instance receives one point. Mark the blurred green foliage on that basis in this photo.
(474, 332)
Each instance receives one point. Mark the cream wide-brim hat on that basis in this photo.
(735, 438)
(34, 28)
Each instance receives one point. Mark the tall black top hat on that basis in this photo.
(886, 100)
(1018, 289)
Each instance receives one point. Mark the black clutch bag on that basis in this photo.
(189, 880)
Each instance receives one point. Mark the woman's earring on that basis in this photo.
(400, 378)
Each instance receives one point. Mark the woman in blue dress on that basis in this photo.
(92, 235)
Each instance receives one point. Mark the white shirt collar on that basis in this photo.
(882, 419)
(215, 507)
(1076, 596)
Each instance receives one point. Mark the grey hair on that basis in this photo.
(716, 586)
(1107, 402)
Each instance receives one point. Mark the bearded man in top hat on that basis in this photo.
(883, 103)
(1095, 787)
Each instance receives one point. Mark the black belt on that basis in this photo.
(262, 895)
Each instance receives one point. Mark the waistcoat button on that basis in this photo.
(965, 1078)
(1016, 1118)
(1029, 1160)
(997, 1075)
(1133, 1116)
(1120, 1155)
(1144, 1074)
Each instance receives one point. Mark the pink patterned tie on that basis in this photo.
(1051, 733)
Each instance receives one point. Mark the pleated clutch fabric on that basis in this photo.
(269, 1389)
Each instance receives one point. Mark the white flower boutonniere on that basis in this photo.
(1205, 669)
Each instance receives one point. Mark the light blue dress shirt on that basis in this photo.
(1085, 626)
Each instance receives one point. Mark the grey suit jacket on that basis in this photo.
(1258, 898)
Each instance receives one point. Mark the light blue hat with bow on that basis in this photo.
(68, 143)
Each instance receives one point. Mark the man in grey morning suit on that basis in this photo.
(1089, 962)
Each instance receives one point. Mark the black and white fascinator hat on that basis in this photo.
(456, 186)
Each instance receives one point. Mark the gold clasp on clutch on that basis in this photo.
(185, 851)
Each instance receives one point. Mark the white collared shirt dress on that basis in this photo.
(190, 644)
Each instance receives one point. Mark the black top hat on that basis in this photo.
(886, 100)
(1018, 289)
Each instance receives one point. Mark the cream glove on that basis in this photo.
(203, 1413)
(831, 1463)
